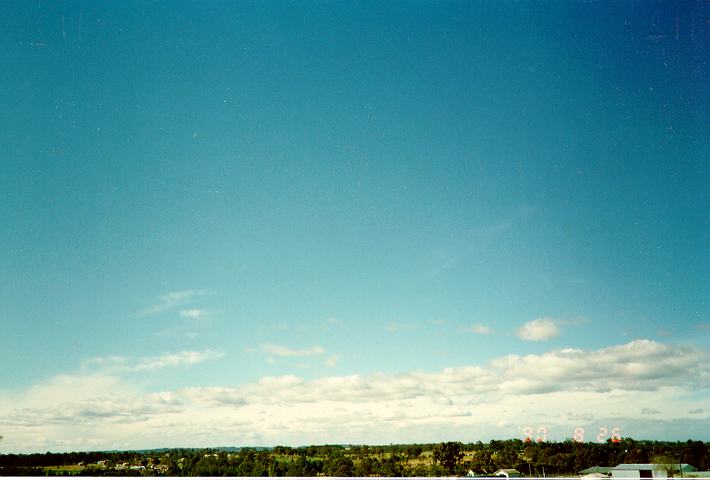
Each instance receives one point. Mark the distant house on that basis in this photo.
(507, 473)
(649, 470)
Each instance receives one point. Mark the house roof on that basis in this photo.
(686, 467)
(596, 469)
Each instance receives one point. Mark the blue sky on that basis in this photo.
(468, 216)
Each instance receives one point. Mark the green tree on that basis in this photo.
(413, 451)
(697, 454)
(339, 466)
(448, 455)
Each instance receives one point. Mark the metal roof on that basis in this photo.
(650, 466)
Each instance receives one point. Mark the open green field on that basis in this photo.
(63, 469)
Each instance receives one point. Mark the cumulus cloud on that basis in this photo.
(493, 400)
(282, 351)
(71, 389)
(539, 329)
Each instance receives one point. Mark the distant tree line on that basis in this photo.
(417, 460)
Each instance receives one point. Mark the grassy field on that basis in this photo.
(63, 469)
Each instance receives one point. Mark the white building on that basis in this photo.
(649, 470)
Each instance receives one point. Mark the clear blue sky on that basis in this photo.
(225, 196)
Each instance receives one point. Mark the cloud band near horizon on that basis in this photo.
(641, 385)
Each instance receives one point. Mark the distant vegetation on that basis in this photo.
(443, 459)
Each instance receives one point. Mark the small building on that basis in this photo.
(507, 473)
(649, 470)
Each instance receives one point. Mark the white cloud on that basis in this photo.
(172, 300)
(478, 329)
(281, 351)
(175, 360)
(331, 361)
(72, 388)
(193, 313)
(117, 364)
(539, 329)
(556, 389)
(194, 322)
(333, 322)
